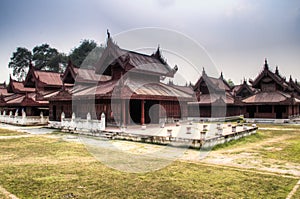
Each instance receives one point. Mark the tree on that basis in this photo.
(20, 62)
(42, 56)
(86, 54)
(57, 63)
(230, 83)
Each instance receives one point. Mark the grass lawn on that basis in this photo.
(282, 145)
(5, 132)
(40, 167)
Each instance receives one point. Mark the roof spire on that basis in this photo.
(203, 71)
(291, 78)
(157, 53)
(277, 71)
(109, 39)
(266, 66)
(108, 33)
(221, 76)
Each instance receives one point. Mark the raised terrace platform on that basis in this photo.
(196, 135)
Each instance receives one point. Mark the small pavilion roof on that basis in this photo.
(267, 97)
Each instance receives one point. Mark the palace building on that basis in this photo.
(128, 88)
(275, 97)
(214, 98)
(29, 95)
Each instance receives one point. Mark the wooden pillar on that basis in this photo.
(142, 112)
(128, 113)
(123, 112)
(256, 111)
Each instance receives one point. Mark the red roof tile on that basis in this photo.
(153, 64)
(49, 78)
(19, 87)
(267, 97)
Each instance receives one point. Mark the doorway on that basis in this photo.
(54, 113)
(135, 111)
(151, 111)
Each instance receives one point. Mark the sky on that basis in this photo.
(237, 35)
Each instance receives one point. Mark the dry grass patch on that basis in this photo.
(6, 132)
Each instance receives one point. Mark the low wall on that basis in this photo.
(26, 121)
(78, 124)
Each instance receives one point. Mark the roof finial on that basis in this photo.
(291, 78)
(266, 64)
(277, 71)
(158, 51)
(221, 76)
(203, 71)
(108, 34)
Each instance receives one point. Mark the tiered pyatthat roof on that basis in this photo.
(243, 90)
(276, 77)
(281, 92)
(213, 84)
(128, 60)
(210, 90)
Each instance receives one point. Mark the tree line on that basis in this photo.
(45, 57)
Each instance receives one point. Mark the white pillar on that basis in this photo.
(88, 116)
(62, 116)
(73, 116)
(23, 117)
(102, 122)
(42, 117)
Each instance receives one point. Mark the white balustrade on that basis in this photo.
(77, 124)
(23, 120)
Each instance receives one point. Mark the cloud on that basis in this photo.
(165, 3)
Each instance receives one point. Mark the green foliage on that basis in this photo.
(242, 141)
(86, 54)
(48, 58)
(20, 62)
(45, 57)
(230, 83)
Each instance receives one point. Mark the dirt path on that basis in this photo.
(16, 136)
(7, 194)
